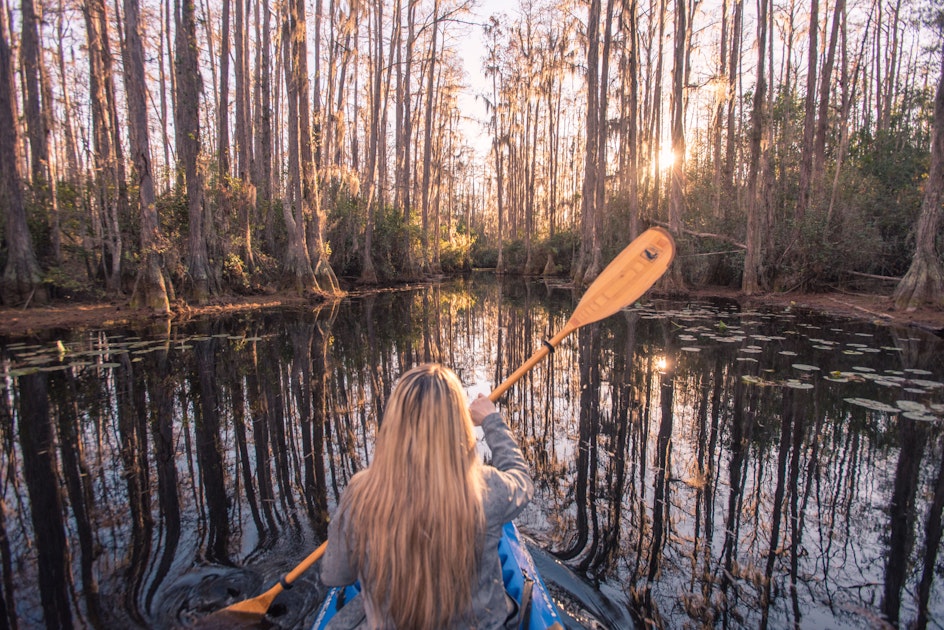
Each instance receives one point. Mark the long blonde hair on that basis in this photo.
(415, 516)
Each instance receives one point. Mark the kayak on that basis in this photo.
(522, 582)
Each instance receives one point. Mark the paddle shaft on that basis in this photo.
(535, 358)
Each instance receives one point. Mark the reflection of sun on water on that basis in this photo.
(661, 363)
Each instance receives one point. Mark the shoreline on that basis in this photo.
(18, 322)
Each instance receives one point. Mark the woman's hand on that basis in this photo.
(480, 409)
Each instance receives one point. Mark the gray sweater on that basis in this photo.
(508, 488)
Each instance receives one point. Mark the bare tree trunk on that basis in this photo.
(244, 153)
(674, 280)
(368, 273)
(809, 119)
(72, 158)
(734, 63)
(110, 184)
(187, 115)
(924, 281)
(39, 123)
(822, 123)
(36, 131)
(404, 143)
(428, 134)
(222, 149)
(753, 278)
(150, 287)
(325, 280)
(591, 158)
(21, 282)
(262, 173)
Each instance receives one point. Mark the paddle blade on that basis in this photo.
(625, 279)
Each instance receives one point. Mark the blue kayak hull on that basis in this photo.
(522, 582)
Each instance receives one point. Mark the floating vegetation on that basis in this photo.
(917, 371)
(852, 352)
(795, 384)
(690, 349)
(805, 368)
(860, 368)
(874, 405)
(788, 353)
(750, 379)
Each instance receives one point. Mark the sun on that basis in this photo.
(666, 158)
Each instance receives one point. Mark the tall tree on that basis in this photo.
(187, 123)
(428, 134)
(592, 164)
(21, 280)
(39, 122)
(809, 117)
(111, 192)
(222, 147)
(151, 285)
(324, 278)
(924, 282)
(753, 278)
(677, 171)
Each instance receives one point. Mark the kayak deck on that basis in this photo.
(522, 582)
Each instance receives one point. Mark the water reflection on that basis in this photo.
(693, 465)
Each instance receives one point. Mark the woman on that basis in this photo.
(420, 527)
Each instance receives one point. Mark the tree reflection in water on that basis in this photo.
(694, 465)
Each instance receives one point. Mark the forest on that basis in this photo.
(161, 151)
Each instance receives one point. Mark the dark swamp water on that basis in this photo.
(696, 465)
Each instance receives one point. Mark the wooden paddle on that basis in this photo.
(623, 282)
(259, 605)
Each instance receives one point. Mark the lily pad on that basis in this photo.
(805, 368)
(795, 384)
(874, 405)
(859, 368)
(918, 415)
(690, 349)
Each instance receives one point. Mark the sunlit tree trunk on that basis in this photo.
(731, 140)
(72, 156)
(187, 118)
(21, 282)
(588, 236)
(924, 281)
(150, 288)
(674, 279)
(262, 166)
(428, 134)
(313, 214)
(368, 272)
(629, 72)
(111, 202)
